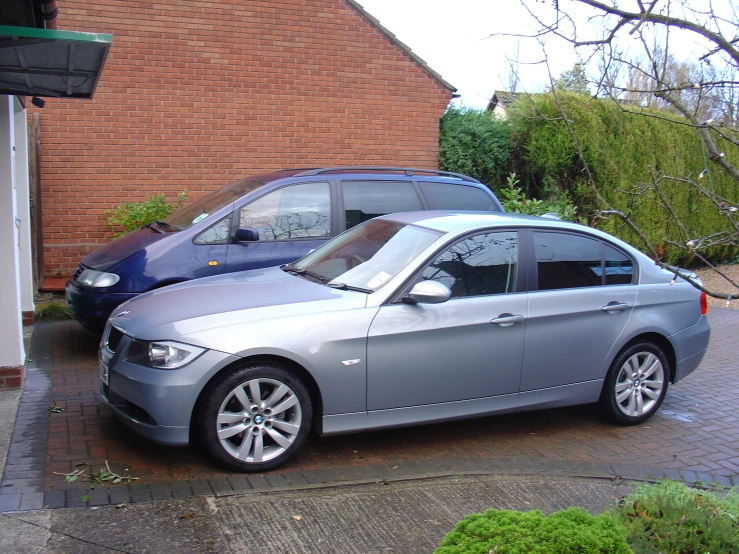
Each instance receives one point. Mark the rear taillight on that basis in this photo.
(704, 303)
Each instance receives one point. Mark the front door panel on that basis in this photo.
(433, 353)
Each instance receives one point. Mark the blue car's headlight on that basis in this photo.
(162, 354)
(94, 278)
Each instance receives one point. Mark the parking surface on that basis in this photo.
(64, 426)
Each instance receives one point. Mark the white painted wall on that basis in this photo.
(11, 332)
(23, 204)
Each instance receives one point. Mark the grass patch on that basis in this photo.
(53, 311)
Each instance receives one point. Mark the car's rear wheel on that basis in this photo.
(636, 384)
(254, 417)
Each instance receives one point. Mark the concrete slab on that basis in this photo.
(404, 517)
(407, 517)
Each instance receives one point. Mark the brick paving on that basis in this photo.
(694, 437)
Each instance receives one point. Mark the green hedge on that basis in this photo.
(623, 151)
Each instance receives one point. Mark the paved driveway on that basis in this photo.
(694, 437)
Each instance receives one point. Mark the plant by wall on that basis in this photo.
(134, 215)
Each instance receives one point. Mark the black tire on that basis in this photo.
(244, 428)
(637, 359)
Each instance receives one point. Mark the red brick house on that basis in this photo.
(196, 94)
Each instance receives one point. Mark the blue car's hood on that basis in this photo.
(121, 248)
(227, 299)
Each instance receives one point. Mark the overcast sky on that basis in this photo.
(454, 39)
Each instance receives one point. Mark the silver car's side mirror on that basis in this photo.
(428, 292)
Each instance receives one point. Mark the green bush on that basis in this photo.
(624, 151)
(571, 531)
(671, 518)
(515, 201)
(474, 143)
(134, 215)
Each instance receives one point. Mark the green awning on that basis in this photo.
(45, 62)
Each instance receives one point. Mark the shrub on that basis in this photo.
(669, 517)
(474, 143)
(515, 201)
(509, 532)
(134, 215)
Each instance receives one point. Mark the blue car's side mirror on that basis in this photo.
(246, 234)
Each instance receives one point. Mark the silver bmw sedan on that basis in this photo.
(406, 319)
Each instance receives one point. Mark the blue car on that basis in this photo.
(258, 222)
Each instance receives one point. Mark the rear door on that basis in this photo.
(584, 298)
(291, 221)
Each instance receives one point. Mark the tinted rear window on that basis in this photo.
(364, 200)
(446, 196)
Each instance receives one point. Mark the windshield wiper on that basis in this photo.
(344, 286)
(151, 226)
(154, 226)
(296, 271)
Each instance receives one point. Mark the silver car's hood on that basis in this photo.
(223, 300)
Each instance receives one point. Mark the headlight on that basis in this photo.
(162, 354)
(93, 278)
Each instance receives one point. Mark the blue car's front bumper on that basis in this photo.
(93, 308)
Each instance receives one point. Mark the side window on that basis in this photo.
(294, 212)
(364, 200)
(619, 267)
(215, 234)
(479, 265)
(566, 261)
(445, 196)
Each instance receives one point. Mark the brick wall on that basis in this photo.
(11, 377)
(196, 94)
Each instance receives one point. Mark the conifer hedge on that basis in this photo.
(624, 152)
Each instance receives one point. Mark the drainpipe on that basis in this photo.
(48, 12)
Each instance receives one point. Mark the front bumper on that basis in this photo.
(157, 403)
(93, 308)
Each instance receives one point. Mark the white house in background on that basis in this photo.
(36, 60)
(500, 102)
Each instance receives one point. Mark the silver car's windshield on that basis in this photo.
(367, 256)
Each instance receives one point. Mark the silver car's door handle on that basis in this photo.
(614, 307)
(506, 320)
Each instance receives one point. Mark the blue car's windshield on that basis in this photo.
(369, 255)
(202, 208)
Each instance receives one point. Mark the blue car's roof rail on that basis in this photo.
(377, 169)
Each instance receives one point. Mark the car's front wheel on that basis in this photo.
(636, 384)
(254, 417)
